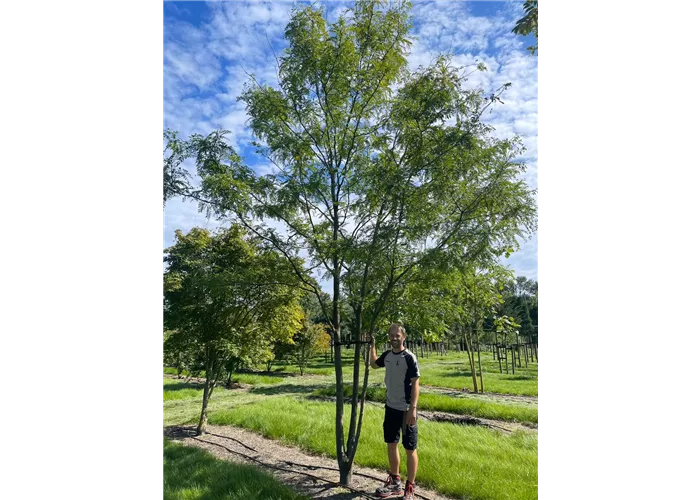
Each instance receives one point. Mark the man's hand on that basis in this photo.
(412, 416)
(372, 358)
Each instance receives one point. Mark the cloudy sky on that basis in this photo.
(209, 47)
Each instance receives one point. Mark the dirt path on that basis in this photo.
(289, 465)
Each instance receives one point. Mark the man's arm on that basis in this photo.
(413, 410)
(373, 354)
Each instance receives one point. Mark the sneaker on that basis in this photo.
(408, 493)
(392, 488)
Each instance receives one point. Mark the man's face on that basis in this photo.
(395, 338)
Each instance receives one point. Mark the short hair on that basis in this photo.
(399, 327)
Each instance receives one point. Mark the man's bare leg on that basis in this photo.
(394, 458)
(411, 465)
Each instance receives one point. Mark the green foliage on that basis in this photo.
(506, 328)
(382, 175)
(528, 23)
(309, 341)
(520, 302)
(225, 296)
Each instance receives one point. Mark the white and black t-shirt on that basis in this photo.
(400, 369)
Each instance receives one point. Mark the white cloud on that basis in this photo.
(183, 215)
(524, 262)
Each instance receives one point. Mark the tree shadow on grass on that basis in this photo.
(285, 389)
(193, 473)
(180, 386)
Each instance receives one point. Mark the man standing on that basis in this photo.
(402, 389)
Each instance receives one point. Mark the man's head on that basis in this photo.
(397, 335)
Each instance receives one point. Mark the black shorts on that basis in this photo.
(395, 425)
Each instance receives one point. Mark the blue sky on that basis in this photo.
(209, 47)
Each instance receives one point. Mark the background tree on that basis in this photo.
(479, 296)
(309, 341)
(219, 293)
(520, 302)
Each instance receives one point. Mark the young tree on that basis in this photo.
(309, 341)
(506, 333)
(279, 331)
(520, 301)
(480, 295)
(218, 292)
(176, 354)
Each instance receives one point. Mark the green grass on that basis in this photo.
(187, 406)
(462, 461)
(317, 365)
(254, 378)
(465, 461)
(174, 389)
(451, 371)
(190, 473)
(458, 405)
(257, 378)
(185, 373)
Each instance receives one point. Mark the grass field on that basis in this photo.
(460, 461)
(450, 404)
(190, 473)
(451, 371)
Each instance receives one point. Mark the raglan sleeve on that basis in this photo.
(413, 370)
(380, 360)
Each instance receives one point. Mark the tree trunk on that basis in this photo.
(355, 442)
(470, 346)
(205, 397)
(339, 431)
(352, 440)
(203, 415)
(343, 465)
(345, 472)
(481, 378)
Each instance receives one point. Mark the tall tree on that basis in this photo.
(380, 173)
